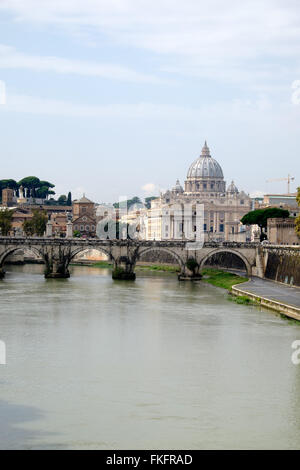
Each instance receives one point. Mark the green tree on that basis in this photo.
(76, 234)
(148, 201)
(6, 221)
(30, 184)
(10, 184)
(260, 217)
(128, 203)
(62, 200)
(44, 189)
(37, 225)
(69, 200)
(192, 265)
(28, 228)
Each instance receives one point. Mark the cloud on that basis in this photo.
(149, 188)
(296, 93)
(2, 92)
(214, 29)
(242, 110)
(36, 105)
(249, 42)
(257, 193)
(10, 58)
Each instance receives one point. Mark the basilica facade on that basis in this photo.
(222, 206)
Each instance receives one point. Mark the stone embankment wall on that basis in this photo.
(283, 264)
(225, 260)
(160, 257)
(22, 257)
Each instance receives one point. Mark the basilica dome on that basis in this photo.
(205, 166)
(177, 188)
(232, 189)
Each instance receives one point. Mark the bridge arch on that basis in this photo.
(228, 250)
(161, 249)
(11, 250)
(82, 249)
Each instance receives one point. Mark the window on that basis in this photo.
(82, 228)
(93, 228)
(242, 201)
(83, 209)
(87, 228)
(221, 227)
(84, 219)
(205, 227)
(204, 186)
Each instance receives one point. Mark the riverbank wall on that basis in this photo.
(283, 264)
(288, 310)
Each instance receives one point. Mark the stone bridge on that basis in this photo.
(57, 253)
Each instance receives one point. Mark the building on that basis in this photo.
(283, 201)
(84, 217)
(282, 231)
(223, 206)
(59, 223)
(8, 197)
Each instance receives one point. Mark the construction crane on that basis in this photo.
(288, 179)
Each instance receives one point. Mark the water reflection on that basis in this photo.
(13, 432)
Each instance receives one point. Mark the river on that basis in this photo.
(152, 364)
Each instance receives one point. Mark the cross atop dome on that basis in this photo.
(205, 151)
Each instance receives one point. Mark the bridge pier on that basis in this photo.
(2, 273)
(56, 270)
(188, 276)
(124, 269)
(56, 264)
(190, 270)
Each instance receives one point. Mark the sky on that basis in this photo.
(115, 98)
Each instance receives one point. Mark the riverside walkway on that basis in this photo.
(283, 298)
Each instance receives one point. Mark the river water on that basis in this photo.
(99, 364)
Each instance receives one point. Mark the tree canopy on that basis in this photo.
(128, 203)
(9, 184)
(6, 221)
(33, 187)
(260, 216)
(37, 225)
(148, 201)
